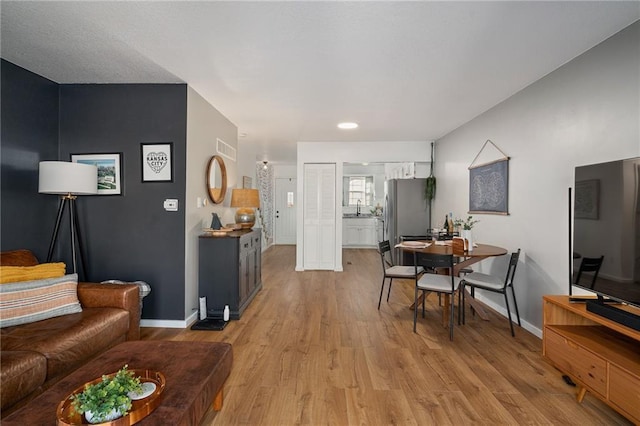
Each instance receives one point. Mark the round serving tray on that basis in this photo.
(222, 232)
(140, 408)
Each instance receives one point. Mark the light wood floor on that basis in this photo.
(313, 349)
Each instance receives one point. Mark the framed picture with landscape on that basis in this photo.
(109, 171)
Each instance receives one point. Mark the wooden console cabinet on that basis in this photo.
(601, 356)
(229, 271)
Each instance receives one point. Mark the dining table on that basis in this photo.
(466, 258)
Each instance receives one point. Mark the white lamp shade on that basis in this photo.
(62, 177)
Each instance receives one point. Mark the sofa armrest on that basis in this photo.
(20, 257)
(125, 296)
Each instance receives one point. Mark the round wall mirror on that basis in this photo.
(216, 179)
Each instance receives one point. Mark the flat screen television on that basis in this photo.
(606, 226)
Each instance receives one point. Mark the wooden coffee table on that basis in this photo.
(195, 373)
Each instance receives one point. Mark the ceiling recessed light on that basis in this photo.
(348, 126)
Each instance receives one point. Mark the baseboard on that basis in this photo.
(502, 310)
(153, 323)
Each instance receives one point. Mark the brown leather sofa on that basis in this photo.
(34, 356)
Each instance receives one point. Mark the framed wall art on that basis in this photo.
(157, 162)
(109, 171)
(246, 182)
(489, 184)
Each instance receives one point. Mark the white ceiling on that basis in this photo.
(290, 71)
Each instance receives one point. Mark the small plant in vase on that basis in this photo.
(467, 226)
(377, 210)
(108, 399)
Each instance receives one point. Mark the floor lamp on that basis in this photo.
(68, 180)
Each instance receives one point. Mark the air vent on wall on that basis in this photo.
(226, 150)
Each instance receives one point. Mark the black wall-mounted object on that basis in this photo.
(606, 203)
(605, 223)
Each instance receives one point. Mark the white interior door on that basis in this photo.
(285, 217)
(319, 216)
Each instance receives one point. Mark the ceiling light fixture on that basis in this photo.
(348, 125)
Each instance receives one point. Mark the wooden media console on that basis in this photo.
(601, 356)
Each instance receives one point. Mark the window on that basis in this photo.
(358, 188)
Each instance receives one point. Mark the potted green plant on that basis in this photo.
(467, 226)
(430, 182)
(109, 398)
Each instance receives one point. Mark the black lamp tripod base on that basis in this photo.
(76, 240)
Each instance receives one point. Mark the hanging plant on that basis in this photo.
(430, 188)
(430, 183)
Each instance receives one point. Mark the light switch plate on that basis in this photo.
(171, 205)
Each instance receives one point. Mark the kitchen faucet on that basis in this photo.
(358, 208)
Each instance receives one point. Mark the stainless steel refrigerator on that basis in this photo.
(406, 211)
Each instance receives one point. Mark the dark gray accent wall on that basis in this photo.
(29, 134)
(131, 237)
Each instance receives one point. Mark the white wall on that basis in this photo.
(205, 125)
(284, 171)
(585, 112)
(247, 159)
(348, 152)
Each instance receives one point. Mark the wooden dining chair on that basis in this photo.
(458, 249)
(494, 284)
(391, 271)
(457, 246)
(433, 282)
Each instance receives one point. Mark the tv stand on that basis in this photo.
(600, 355)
